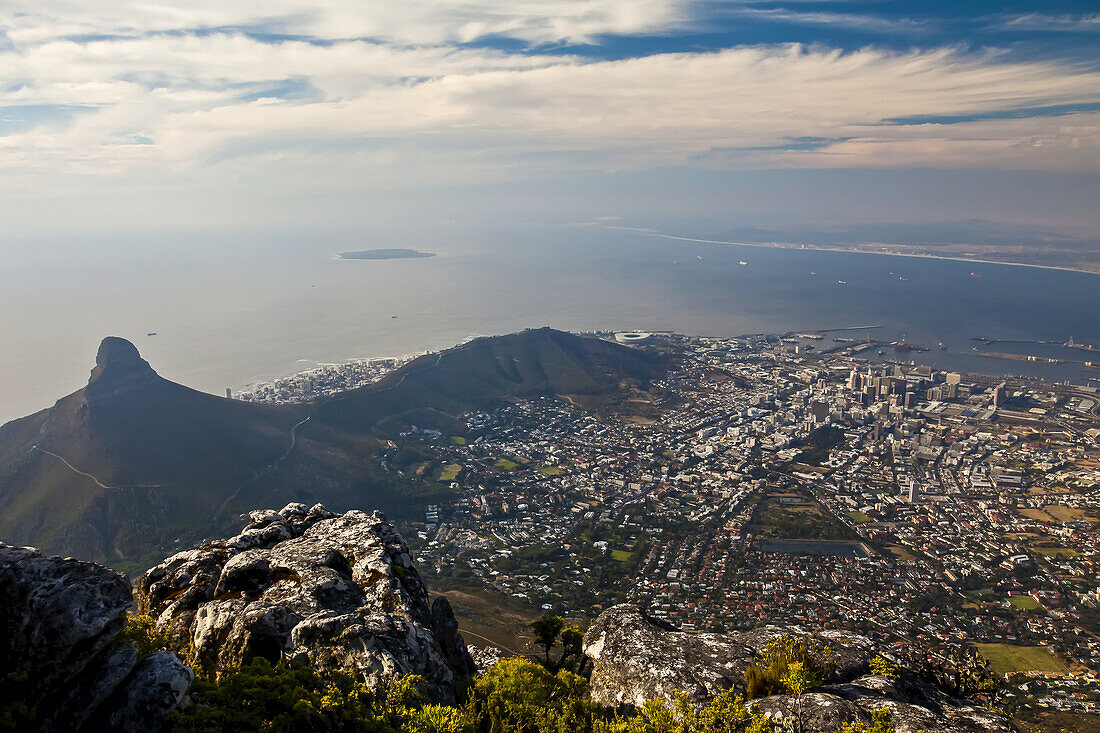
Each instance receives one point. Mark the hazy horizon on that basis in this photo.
(157, 157)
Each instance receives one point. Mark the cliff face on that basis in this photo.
(637, 658)
(64, 665)
(340, 591)
(119, 369)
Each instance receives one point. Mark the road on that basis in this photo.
(464, 632)
(270, 467)
(95, 480)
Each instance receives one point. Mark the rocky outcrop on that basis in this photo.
(338, 591)
(119, 369)
(638, 658)
(913, 705)
(65, 665)
(485, 657)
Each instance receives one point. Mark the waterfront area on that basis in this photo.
(321, 381)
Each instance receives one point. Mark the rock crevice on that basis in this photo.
(65, 663)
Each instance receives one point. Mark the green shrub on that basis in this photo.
(437, 719)
(265, 697)
(518, 696)
(881, 722)
(885, 668)
(765, 676)
(725, 713)
(143, 633)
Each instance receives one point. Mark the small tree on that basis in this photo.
(765, 675)
(546, 631)
(572, 650)
(800, 679)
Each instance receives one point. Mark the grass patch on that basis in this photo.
(450, 472)
(1025, 603)
(1055, 551)
(1037, 514)
(551, 471)
(901, 553)
(458, 440)
(505, 465)
(1007, 658)
(620, 555)
(859, 517)
(797, 516)
(1065, 513)
(1035, 721)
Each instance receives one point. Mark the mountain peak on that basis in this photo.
(118, 367)
(114, 349)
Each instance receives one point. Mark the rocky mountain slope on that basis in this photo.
(122, 469)
(638, 658)
(307, 585)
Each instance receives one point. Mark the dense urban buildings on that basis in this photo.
(762, 481)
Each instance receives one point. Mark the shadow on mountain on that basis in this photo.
(134, 464)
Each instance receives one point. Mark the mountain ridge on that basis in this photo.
(128, 465)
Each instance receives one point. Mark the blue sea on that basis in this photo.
(230, 309)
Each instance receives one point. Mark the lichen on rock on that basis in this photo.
(637, 658)
(339, 591)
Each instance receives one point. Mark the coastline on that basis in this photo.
(849, 250)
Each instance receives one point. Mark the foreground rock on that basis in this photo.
(638, 658)
(338, 591)
(66, 666)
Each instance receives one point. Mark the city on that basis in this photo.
(759, 483)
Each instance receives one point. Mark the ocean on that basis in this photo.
(229, 310)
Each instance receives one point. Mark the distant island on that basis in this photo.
(384, 254)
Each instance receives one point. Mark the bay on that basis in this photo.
(231, 309)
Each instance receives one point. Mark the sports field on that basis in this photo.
(1007, 658)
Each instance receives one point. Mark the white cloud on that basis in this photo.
(405, 22)
(153, 94)
(1063, 22)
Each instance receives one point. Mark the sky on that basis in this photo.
(128, 117)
